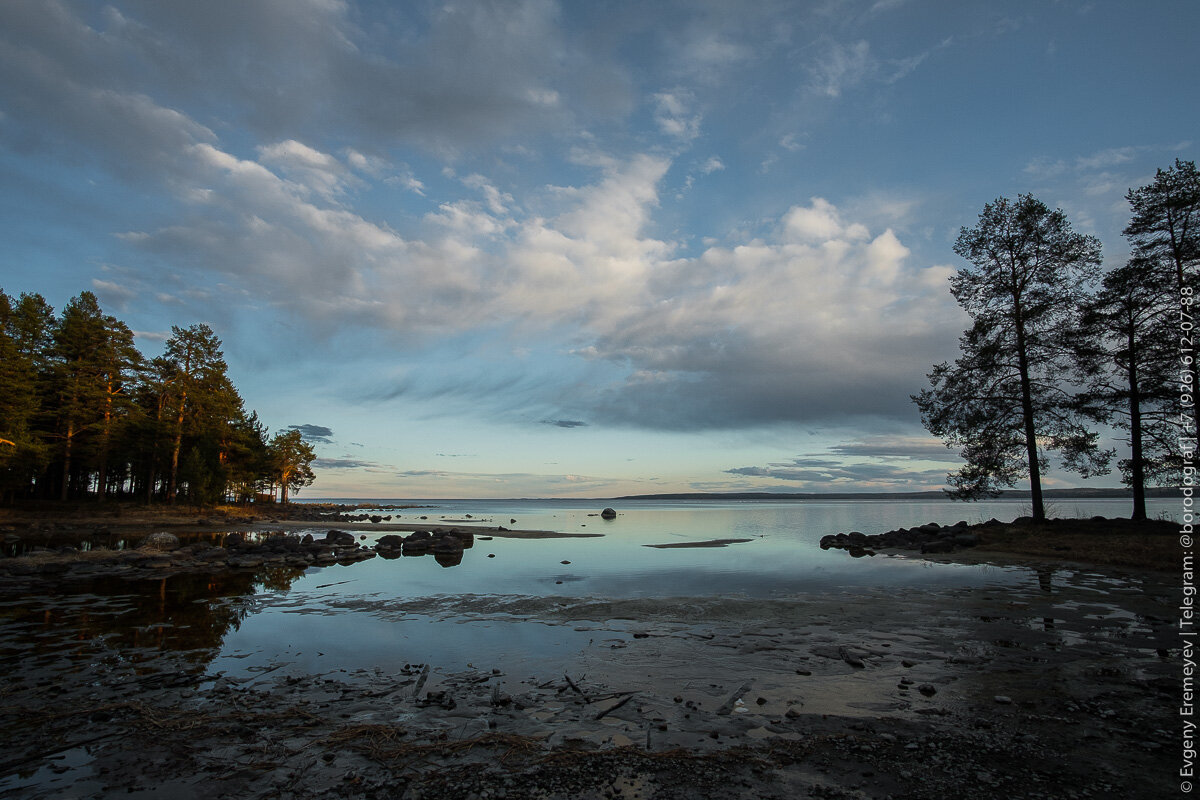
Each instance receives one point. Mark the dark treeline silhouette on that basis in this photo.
(85, 416)
(1056, 348)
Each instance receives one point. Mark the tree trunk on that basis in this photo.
(102, 483)
(66, 470)
(1137, 465)
(1035, 473)
(171, 485)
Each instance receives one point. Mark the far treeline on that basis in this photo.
(1057, 349)
(85, 416)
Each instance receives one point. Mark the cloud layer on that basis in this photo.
(798, 324)
(567, 220)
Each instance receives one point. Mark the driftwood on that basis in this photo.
(579, 691)
(614, 706)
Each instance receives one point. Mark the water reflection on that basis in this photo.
(132, 623)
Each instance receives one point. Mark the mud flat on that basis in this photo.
(1066, 686)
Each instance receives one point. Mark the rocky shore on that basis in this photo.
(1144, 544)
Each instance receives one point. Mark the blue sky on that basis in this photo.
(515, 249)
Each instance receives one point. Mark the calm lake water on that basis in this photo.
(519, 603)
(487, 608)
(782, 555)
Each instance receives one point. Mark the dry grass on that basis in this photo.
(1120, 543)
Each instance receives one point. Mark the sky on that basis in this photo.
(576, 249)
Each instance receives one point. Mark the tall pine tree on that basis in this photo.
(1004, 401)
(1128, 361)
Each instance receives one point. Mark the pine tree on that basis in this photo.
(120, 363)
(195, 371)
(76, 378)
(1128, 361)
(1004, 401)
(1165, 231)
(24, 341)
(290, 459)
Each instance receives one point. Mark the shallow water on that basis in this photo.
(514, 602)
(700, 625)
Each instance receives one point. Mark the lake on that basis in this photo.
(532, 604)
(542, 638)
(412, 609)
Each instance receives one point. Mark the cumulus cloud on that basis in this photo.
(799, 323)
(311, 169)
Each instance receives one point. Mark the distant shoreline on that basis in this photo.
(1112, 493)
(1016, 494)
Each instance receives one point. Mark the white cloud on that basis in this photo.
(819, 222)
(315, 171)
(673, 115)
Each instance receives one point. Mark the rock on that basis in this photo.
(1003, 700)
(339, 537)
(417, 545)
(927, 689)
(448, 545)
(608, 513)
(161, 540)
(851, 658)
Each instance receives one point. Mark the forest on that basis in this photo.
(85, 416)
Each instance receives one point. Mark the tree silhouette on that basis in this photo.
(1004, 401)
(1128, 361)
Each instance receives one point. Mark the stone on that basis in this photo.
(608, 513)
(447, 545)
(339, 537)
(161, 540)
